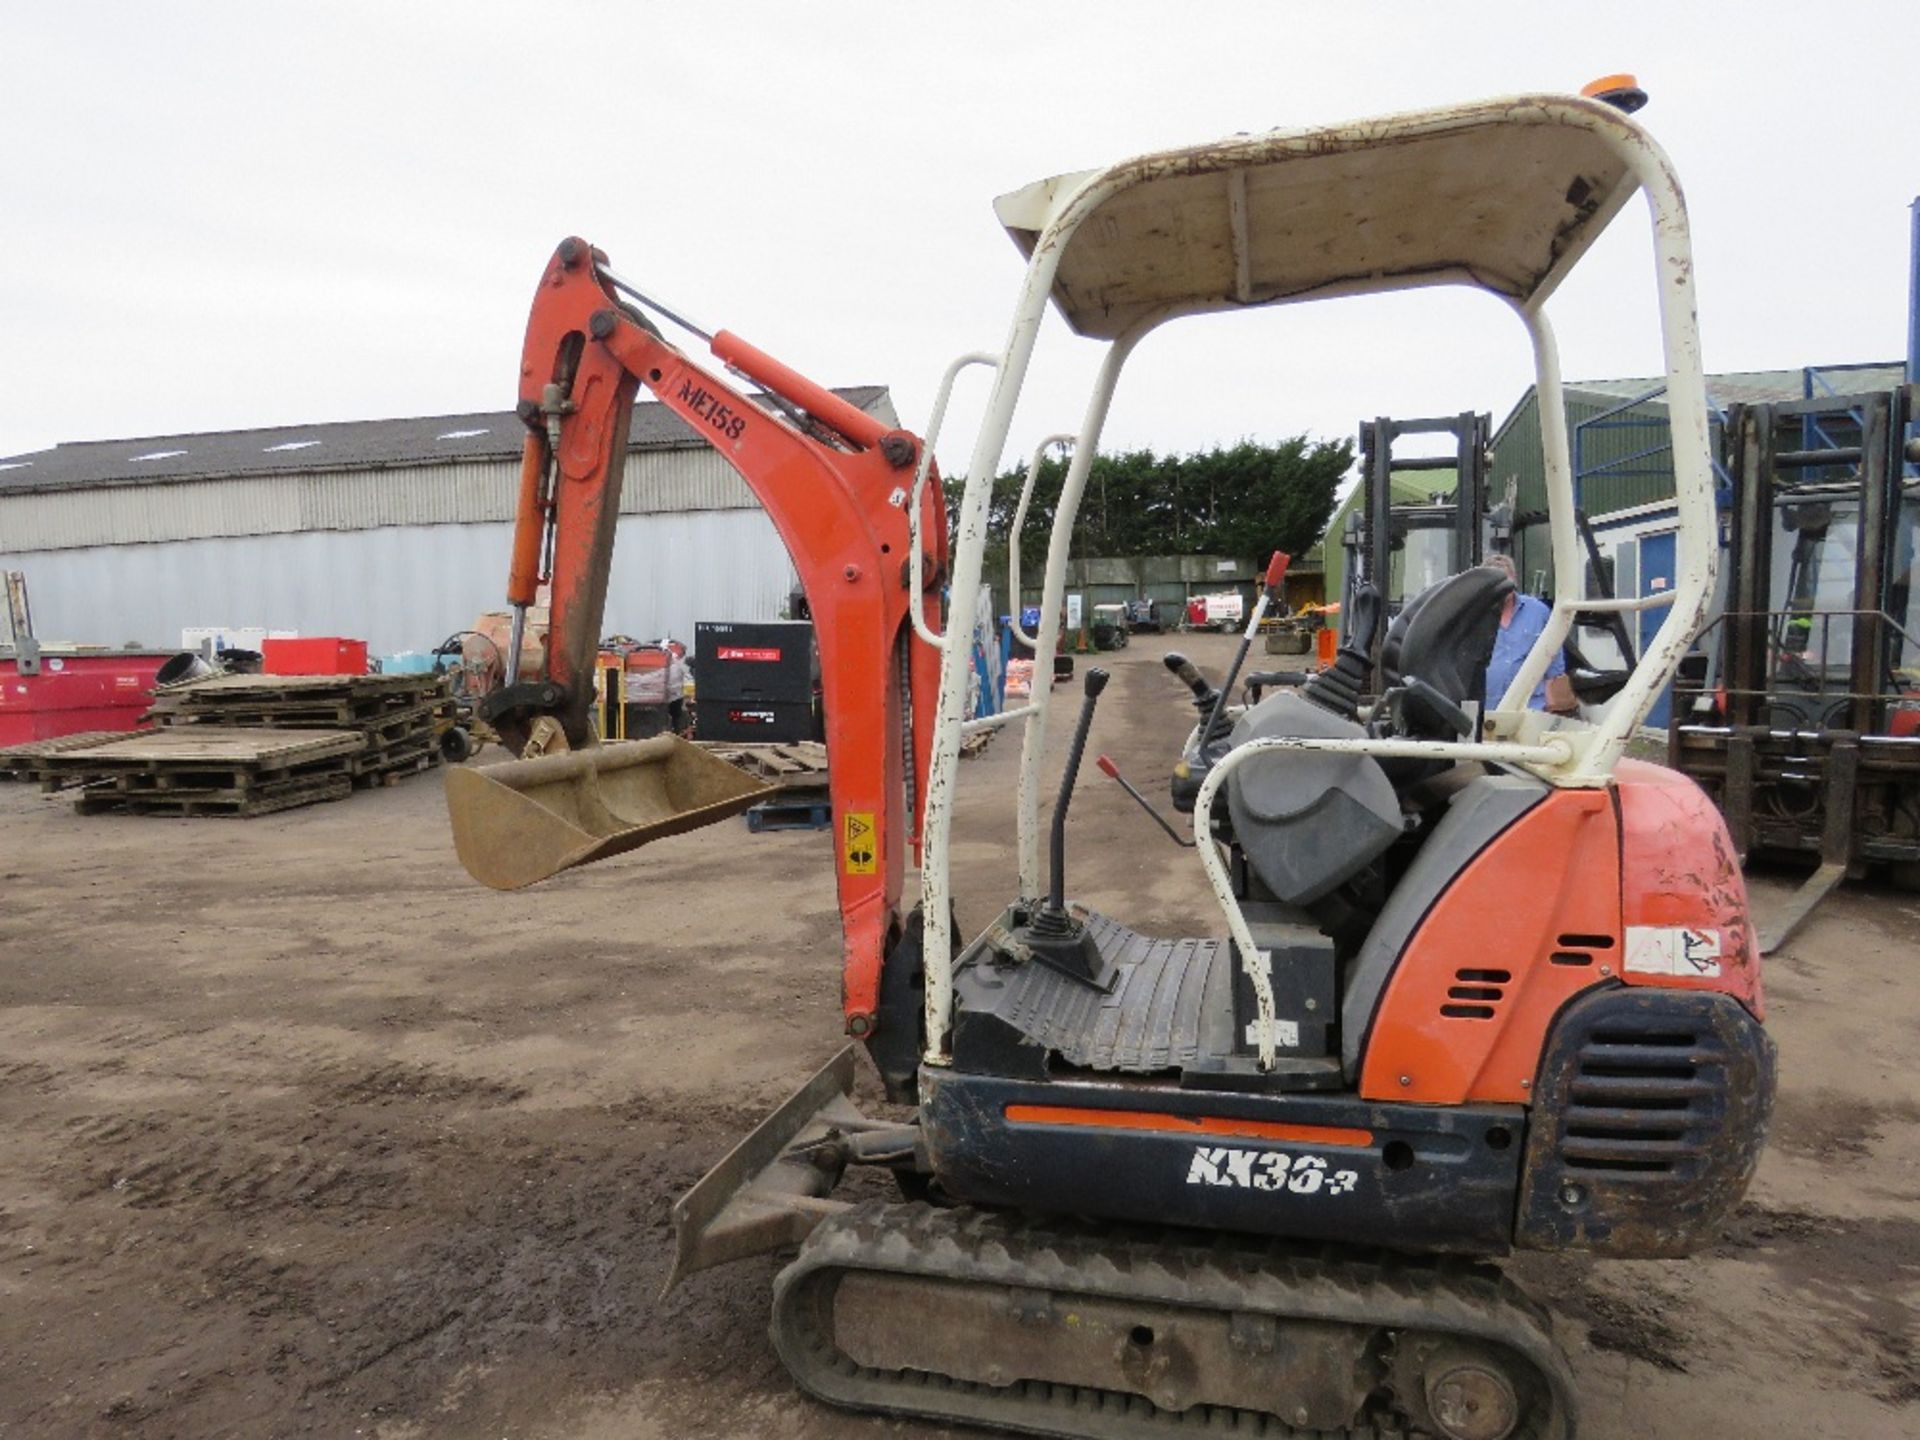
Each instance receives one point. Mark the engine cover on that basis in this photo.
(1308, 820)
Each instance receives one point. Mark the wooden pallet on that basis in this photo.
(400, 718)
(211, 747)
(304, 687)
(241, 804)
(206, 770)
(297, 700)
(22, 762)
(386, 727)
(802, 764)
(385, 764)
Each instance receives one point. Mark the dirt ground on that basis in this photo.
(305, 1134)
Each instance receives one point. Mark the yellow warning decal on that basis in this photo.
(857, 843)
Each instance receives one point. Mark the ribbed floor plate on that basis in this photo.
(1170, 1003)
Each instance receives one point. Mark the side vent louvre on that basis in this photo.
(1641, 1102)
(1476, 993)
(1579, 949)
(1648, 1112)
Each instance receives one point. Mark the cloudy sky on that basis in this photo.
(230, 216)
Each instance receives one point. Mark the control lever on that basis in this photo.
(1419, 710)
(1050, 935)
(1338, 688)
(1185, 672)
(1206, 700)
(1145, 804)
(1057, 877)
(1269, 594)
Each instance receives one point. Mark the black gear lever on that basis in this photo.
(1051, 935)
(1057, 876)
(1206, 699)
(1184, 670)
(1338, 688)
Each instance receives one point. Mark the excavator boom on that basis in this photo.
(839, 487)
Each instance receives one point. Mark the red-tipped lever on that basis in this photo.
(1145, 804)
(1277, 571)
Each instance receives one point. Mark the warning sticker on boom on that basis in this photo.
(857, 843)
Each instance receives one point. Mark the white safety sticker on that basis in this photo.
(1268, 1170)
(1673, 950)
(1286, 1033)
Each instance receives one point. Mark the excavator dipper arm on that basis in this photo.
(837, 485)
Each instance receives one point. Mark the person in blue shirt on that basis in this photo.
(1522, 618)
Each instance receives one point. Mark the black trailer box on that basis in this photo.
(766, 662)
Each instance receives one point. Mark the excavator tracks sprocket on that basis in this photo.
(1055, 1328)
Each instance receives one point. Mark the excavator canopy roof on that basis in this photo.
(1505, 195)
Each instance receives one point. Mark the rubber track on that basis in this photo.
(1225, 1273)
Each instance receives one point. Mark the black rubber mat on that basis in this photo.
(1169, 1003)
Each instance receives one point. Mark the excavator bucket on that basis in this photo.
(517, 823)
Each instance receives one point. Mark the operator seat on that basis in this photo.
(1308, 821)
(1444, 637)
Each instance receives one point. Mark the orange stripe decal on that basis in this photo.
(1187, 1125)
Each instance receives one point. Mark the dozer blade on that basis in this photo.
(770, 1190)
(517, 823)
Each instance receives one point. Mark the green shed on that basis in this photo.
(1622, 451)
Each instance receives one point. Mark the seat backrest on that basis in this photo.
(1445, 634)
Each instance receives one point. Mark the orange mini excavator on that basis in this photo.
(1479, 984)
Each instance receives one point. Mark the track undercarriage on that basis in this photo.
(1078, 1330)
(1083, 1329)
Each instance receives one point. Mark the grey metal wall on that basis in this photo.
(655, 482)
(399, 587)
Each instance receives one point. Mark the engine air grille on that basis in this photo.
(1641, 1102)
(1649, 1110)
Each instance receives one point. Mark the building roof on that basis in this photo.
(347, 445)
(1762, 387)
(1733, 387)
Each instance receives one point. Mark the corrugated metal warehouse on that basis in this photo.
(1623, 468)
(1622, 461)
(392, 531)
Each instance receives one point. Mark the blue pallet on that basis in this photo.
(790, 815)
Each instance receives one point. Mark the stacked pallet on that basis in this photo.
(208, 770)
(799, 769)
(398, 717)
(23, 761)
(253, 744)
(801, 765)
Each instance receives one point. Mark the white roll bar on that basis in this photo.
(1103, 297)
(1257, 963)
(1033, 747)
(915, 564)
(1013, 539)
